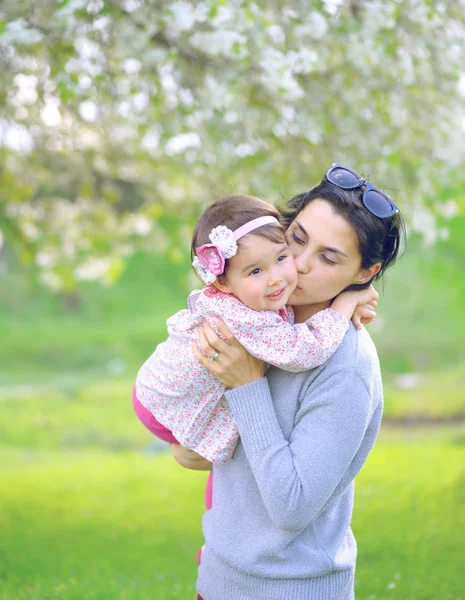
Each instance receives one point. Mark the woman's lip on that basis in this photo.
(278, 295)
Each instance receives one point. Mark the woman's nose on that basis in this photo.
(302, 263)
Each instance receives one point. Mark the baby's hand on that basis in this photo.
(368, 296)
(357, 305)
(364, 313)
(365, 309)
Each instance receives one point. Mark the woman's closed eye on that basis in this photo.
(328, 260)
(296, 238)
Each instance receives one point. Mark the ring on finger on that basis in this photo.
(214, 356)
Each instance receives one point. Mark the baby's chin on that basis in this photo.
(283, 301)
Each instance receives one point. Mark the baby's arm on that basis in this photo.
(363, 312)
(290, 347)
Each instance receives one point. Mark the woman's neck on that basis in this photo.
(302, 313)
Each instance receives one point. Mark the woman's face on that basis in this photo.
(326, 253)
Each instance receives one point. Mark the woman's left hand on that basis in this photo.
(190, 459)
(233, 365)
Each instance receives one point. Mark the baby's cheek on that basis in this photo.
(292, 276)
(256, 296)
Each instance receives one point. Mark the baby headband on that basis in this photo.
(210, 258)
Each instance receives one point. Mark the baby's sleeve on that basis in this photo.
(294, 348)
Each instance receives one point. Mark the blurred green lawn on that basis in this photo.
(92, 507)
(93, 524)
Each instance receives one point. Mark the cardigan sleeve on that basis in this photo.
(296, 477)
(294, 348)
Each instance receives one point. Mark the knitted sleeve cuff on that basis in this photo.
(254, 413)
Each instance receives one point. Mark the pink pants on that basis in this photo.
(159, 430)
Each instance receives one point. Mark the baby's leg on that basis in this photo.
(150, 422)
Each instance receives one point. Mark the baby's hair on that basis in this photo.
(233, 212)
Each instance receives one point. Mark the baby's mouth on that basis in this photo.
(278, 294)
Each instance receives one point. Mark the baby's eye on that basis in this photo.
(282, 257)
(254, 272)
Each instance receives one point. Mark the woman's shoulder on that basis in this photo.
(356, 351)
(356, 357)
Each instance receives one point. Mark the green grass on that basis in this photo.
(99, 526)
(91, 507)
(409, 522)
(96, 416)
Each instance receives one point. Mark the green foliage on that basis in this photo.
(420, 324)
(82, 336)
(437, 395)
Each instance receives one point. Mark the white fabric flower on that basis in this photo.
(223, 237)
(204, 274)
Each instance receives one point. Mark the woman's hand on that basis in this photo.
(233, 365)
(190, 459)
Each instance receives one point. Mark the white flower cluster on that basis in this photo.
(258, 94)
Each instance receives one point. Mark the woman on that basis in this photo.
(279, 528)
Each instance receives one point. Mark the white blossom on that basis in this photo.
(50, 115)
(220, 42)
(180, 143)
(92, 269)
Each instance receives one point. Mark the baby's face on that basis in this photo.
(262, 274)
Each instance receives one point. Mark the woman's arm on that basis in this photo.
(296, 477)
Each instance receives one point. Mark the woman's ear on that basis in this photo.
(367, 274)
(222, 284)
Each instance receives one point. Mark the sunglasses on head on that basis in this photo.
(374, 199)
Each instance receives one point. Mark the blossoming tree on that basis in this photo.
(120, 118)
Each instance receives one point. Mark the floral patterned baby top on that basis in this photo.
(187, 399)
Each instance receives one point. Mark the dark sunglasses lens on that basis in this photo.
(378, 204)
(343, 179)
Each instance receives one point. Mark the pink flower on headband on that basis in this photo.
(211, 257)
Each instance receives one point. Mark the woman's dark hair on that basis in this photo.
(379, 240)
(233, 212)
